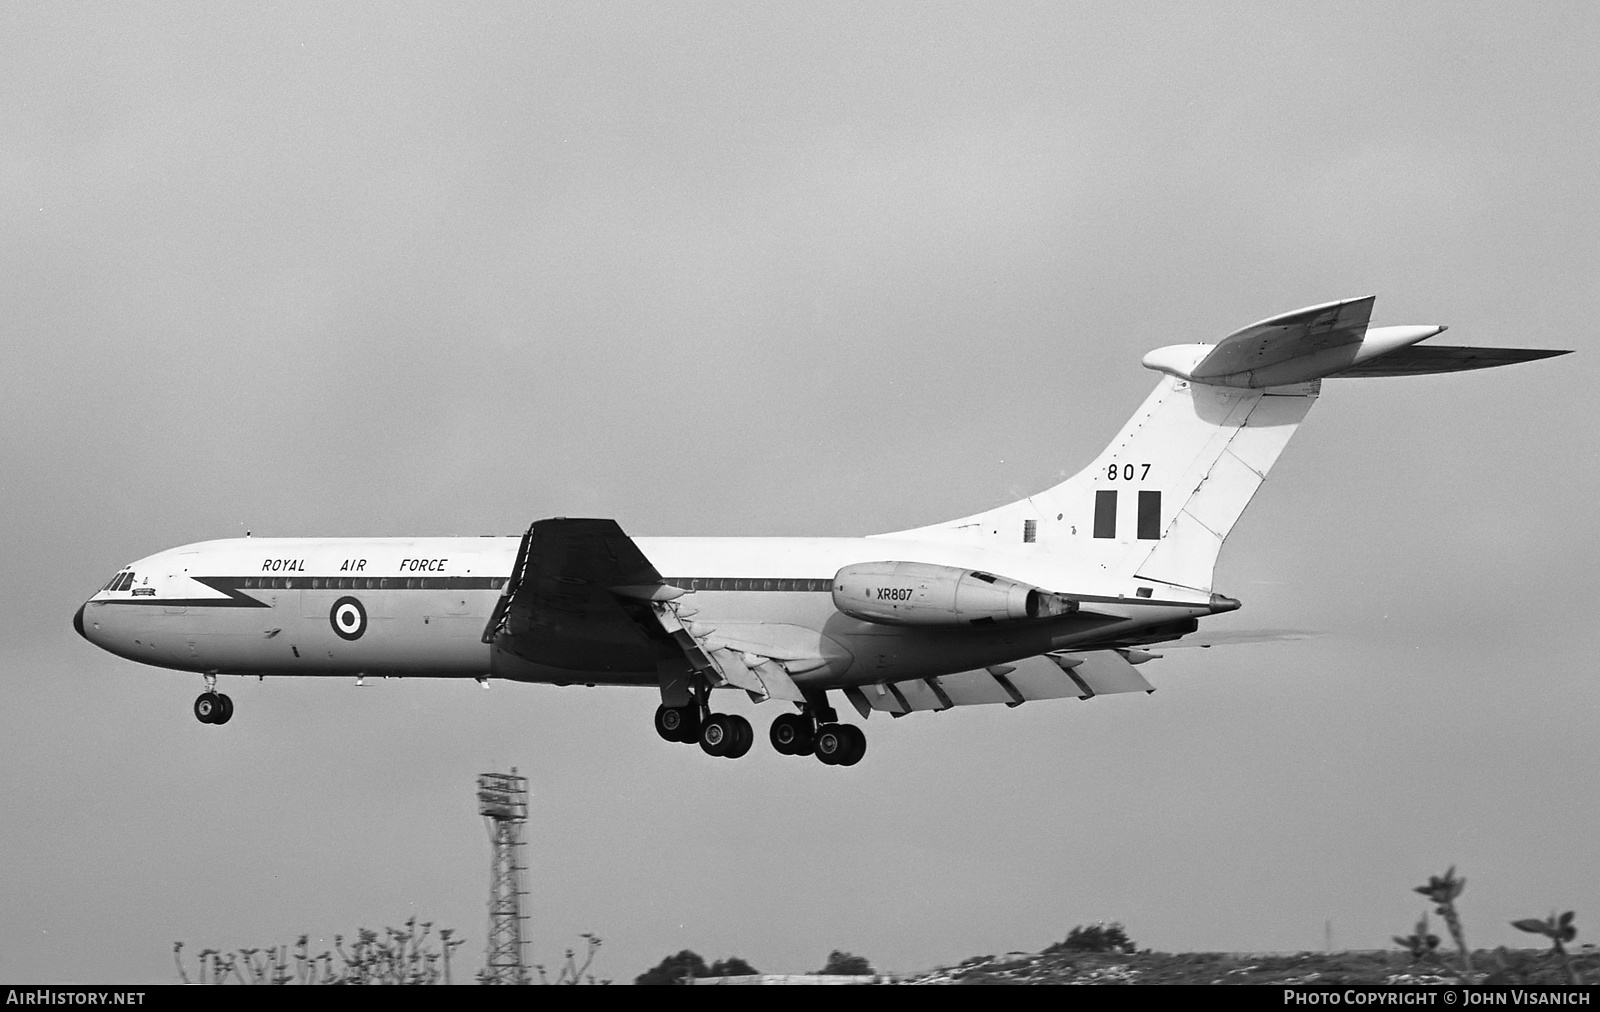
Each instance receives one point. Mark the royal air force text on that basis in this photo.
(355, 565)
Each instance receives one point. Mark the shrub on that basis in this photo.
(675, 969)
(846, 964)
(687, 964)
(1100, 937)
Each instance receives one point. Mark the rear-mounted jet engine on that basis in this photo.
(919, 593)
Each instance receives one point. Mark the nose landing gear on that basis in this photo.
(211, 706)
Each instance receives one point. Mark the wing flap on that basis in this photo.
(1040, 678)
(1048, 676)
(758, 675)
(1105, 672)
(972, 688)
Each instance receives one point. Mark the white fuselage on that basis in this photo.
(418, 607)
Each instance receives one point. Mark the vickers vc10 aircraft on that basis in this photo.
(1057, 595)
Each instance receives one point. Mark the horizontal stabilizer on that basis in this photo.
(1332, 339)
(1305, 333)
(1420, 360)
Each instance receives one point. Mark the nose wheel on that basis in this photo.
(213, 708)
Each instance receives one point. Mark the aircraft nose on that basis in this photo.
(77, 621)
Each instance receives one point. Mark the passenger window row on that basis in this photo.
(749, 583)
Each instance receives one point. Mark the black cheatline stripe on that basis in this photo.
(236, 587)
(715, 583)
(235, 583)
(240, 588)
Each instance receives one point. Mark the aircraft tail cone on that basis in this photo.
(1221, 603)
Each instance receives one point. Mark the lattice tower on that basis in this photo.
(503, 803)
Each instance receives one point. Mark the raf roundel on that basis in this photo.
(348, 618)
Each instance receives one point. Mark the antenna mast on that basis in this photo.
(503, 803)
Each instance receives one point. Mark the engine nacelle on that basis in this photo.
(919, 593)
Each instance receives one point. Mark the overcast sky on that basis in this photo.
(807, 269)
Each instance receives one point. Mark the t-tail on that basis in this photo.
(1157, 504)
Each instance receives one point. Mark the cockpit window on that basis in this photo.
(122, 581)
(127, 581)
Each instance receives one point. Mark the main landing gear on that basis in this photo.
(817, 731)
(720, 734)
(211, 706)
(813, 731)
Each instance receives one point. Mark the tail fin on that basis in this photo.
(1159, 501)
(1219, 444)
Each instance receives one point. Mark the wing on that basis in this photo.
(1233, 637)
(582, 596)
(1047, 676)
(1423, 359)
(561, 605)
